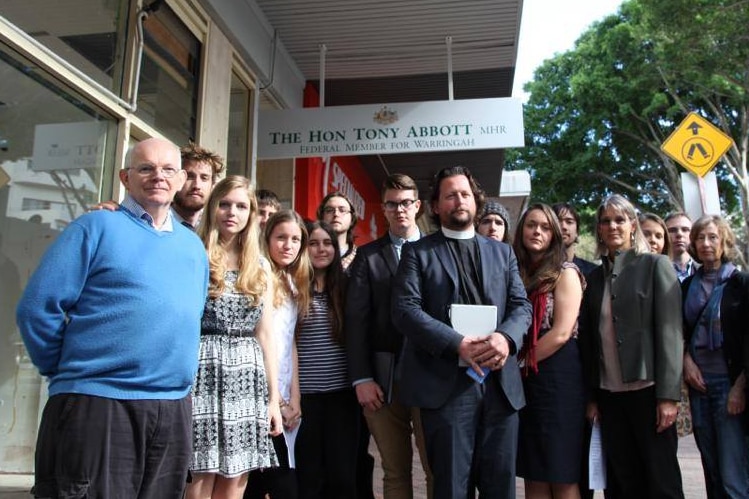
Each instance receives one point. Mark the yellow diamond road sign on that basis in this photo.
(697, 144)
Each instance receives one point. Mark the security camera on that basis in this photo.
(4, 145)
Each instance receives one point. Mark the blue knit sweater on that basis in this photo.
(114, 308)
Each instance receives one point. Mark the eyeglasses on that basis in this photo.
(331, 210)
(615, 221)
(393, 205)
(149, 170)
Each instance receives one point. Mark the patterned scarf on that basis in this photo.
(707, 316)
(539, 300)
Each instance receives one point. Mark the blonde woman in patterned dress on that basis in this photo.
(235, 394)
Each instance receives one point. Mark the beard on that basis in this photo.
(188, 203)
(458, 220)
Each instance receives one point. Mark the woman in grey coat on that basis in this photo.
(631, 345)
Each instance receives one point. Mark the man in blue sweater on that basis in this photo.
(112, 318)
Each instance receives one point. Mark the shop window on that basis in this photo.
(169, 76)
(55, 149)
(239, 128)
(89, 34)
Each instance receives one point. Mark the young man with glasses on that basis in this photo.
(337, 211)
(373, 344)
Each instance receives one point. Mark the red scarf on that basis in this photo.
(538, 300)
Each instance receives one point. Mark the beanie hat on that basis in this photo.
(492, 207)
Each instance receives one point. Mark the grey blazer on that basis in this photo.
(425, 286)
(646, 310)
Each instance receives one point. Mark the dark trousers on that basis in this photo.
(472, 441)
(327, 445)
(105, 448)
(278, 483)
(642, 463)
(364, 463)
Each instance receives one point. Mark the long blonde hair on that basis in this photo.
(298, 272)
(252, 279)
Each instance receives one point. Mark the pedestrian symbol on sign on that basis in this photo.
(701, 146)
(697, 144)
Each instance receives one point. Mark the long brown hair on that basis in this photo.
(544, 275)
(252, 279)
(335, 281)
(299, 271)
(354, 215)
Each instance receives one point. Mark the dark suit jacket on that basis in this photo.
(646, 310)
(369, 327)
(585, 266)
(425, 287)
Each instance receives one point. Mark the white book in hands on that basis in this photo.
(473, 320)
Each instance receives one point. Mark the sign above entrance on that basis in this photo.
(456, 125)
(697, 144)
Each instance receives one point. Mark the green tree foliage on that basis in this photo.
(598, 114)
(702, 46)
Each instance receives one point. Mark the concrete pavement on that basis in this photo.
(17, 486)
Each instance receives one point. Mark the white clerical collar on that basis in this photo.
(458, 234)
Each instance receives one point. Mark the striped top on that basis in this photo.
(322, 361)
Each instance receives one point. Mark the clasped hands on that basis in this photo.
(291, 414)
(490, 351)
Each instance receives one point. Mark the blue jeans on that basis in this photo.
(720, 438)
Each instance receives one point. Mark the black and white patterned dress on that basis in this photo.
(230, 394)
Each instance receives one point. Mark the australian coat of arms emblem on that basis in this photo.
(385, 116)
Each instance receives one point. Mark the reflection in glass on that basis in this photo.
(239, 127)
(168, 87)
(90, 34)
(53, 150)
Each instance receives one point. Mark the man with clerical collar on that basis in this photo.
(202, 169)
(470, 426)
(373, 344)
(679, 226)
(112, 318)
